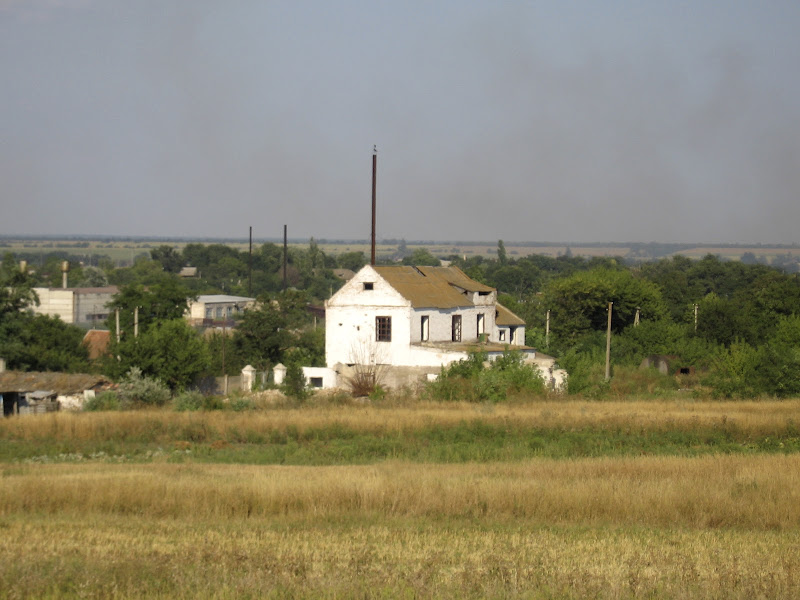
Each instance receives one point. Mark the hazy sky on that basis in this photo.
(543, 121)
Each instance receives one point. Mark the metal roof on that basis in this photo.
(432, 287)
(220, 298)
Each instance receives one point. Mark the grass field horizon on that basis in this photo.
(534, 499)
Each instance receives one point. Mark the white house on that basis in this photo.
(416, 318)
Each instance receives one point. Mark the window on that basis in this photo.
(425, 327)
(502, 333)
(383, 329)
(456, 328)
(209, 313)
(512, 334)
(315, 382)
(368, 285)
(219, 312)
(481, 328)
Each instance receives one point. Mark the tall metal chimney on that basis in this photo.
(374, 183)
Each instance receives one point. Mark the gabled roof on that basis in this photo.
(432, 287)
(97, 341)
(506, 317)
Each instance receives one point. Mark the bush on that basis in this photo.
(470, 381)
(138, 389)
(294, 386)
(102, 401)
(188, 401)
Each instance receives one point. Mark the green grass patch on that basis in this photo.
(337, 444)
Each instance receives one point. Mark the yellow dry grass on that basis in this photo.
(710, 527)
(758, 418)
(761, 492)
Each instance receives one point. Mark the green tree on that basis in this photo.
(502, 257)
(169, 258)
(422, 257)
(579, 303)
(169, 350)
(166, 300)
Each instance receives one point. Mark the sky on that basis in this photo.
(563, 121)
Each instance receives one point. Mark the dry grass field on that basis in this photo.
(713, 525)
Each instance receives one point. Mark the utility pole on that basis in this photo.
(250, 266)
(136, 321)
(547, 331)
(695, 318)
(636, 318)
(285, 254)
(608, 343)
(374, 187)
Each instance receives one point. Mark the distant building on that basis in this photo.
(210, 309)
(86, 307)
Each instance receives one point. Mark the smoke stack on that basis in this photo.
(374, 182)
(64, 271)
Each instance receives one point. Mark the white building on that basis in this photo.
(78, 306)
(419, 318)
(216, 307)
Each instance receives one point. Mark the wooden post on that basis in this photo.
(547, 331)
(608, 343)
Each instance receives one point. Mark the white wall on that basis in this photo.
(350, 322)
(56, 303)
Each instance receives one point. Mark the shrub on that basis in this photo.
(470, 381)
(294, 385)
(188, 401)
(102, 401)
(139, 389)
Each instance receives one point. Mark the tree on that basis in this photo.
(261, 336)
(579, 303)
(171, 261)
(502, 257)
(422, 257)
(16, 288)
(170, 351)
(164, 301)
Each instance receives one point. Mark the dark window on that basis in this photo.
(316, 382)
(368, 285)
(456, 328)
(383, 329)
(425, 326)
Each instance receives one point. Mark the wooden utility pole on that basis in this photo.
(608, 343)
(547, 331)
(250, 266)
(285, 256)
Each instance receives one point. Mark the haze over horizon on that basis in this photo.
(528, 121)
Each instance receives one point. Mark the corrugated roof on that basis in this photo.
(506, 317)
(432, 287)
